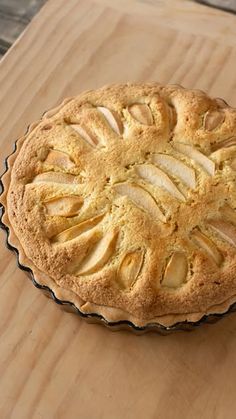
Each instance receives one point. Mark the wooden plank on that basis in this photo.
(52, 364)
(16, 14)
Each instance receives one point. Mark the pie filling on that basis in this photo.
(125, 197)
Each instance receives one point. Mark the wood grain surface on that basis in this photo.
(15, 15)
(52, 363)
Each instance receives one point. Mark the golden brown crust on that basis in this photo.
(125, 198)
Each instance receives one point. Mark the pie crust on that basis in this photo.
(122, 201)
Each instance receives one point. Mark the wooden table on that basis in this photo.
(53, 364)
(15, 15)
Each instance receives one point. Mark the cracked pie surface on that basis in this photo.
(123, 199)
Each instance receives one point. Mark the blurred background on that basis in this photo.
(15, 15)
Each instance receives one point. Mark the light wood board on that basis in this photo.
(53, 364)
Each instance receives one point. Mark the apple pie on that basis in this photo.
(122, 201)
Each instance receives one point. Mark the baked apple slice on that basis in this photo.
(85, 134)
(60, 159)
(226, 230)
(206, 244)
(66, 206)
(141, 198)
(176, 271)
(54, 177)
(112, 119)
(129, 268)
(100, 254)
(160, 179)
(198, 157)
(141, 113)
(176, 168)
